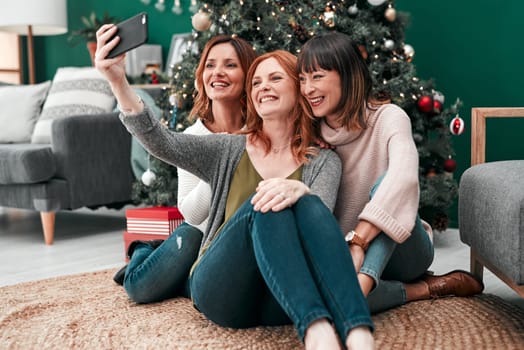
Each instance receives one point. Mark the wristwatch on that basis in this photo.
(353, 238)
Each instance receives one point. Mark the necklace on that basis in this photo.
(278, 149)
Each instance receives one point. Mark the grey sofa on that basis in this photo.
(85, 165)
(491, 206)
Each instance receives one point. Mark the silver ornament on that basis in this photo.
(376, 2)
(353, 9)
(148, 177)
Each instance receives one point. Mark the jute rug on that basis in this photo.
(89, 311)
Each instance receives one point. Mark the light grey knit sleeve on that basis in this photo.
(322, 175)
(198, 154)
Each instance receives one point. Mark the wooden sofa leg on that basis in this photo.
(476, 266)
(48, 225)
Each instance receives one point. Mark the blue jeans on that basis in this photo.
(391, 264)
(156, 274)
(294, 260)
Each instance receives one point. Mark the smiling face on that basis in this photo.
(272, 90)
(322, 89)
(223, 76)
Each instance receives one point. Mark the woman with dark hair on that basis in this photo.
(158, 269)
(252, 264)
(378, 198)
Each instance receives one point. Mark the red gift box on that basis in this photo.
(150, 223)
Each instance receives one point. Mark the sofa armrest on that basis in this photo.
(93, 155)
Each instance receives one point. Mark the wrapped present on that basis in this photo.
(150, 223)
(153, 220)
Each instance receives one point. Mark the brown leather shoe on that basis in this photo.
(459, 283)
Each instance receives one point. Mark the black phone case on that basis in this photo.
(132, 33)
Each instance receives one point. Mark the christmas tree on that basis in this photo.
(378, 28)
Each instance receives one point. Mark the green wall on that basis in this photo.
(472, 49)
(54, 52)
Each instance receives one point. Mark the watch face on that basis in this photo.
(349, 236)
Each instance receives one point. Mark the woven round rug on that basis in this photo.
(89, 311)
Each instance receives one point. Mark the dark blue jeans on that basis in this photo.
(156, 274)
(294, 260)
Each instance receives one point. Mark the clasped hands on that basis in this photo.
(277, 193)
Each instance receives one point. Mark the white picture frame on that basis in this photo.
(179, 45)
(138, 59)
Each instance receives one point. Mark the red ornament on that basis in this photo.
(450, 165)
(437, 107)
(425, 104)
(456, 126)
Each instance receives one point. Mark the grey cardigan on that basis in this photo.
(214, 158)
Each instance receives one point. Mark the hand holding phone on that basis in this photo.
(132, 32)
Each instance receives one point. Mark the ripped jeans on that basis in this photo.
(156, 274)
(294, 260)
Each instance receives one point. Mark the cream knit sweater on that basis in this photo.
(385, 147)
(194, 195)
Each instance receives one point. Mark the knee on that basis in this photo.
(137, 294)
(312, 206)
(309, 201)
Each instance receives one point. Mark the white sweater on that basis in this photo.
(194, 195)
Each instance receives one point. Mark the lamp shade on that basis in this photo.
(46, 17)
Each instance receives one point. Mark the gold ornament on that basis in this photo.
(390, 14)
(201, 21)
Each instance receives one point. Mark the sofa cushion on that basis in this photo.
(21, 106)
(75, 91)
(491, 214)
(26, 163)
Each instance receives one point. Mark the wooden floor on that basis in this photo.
(87, 240)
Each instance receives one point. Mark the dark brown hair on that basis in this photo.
(336, 51)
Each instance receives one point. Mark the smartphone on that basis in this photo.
(132, 33)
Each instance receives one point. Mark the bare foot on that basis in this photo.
(321, 335)
(360, 338)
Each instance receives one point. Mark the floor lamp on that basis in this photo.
(31, 18)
